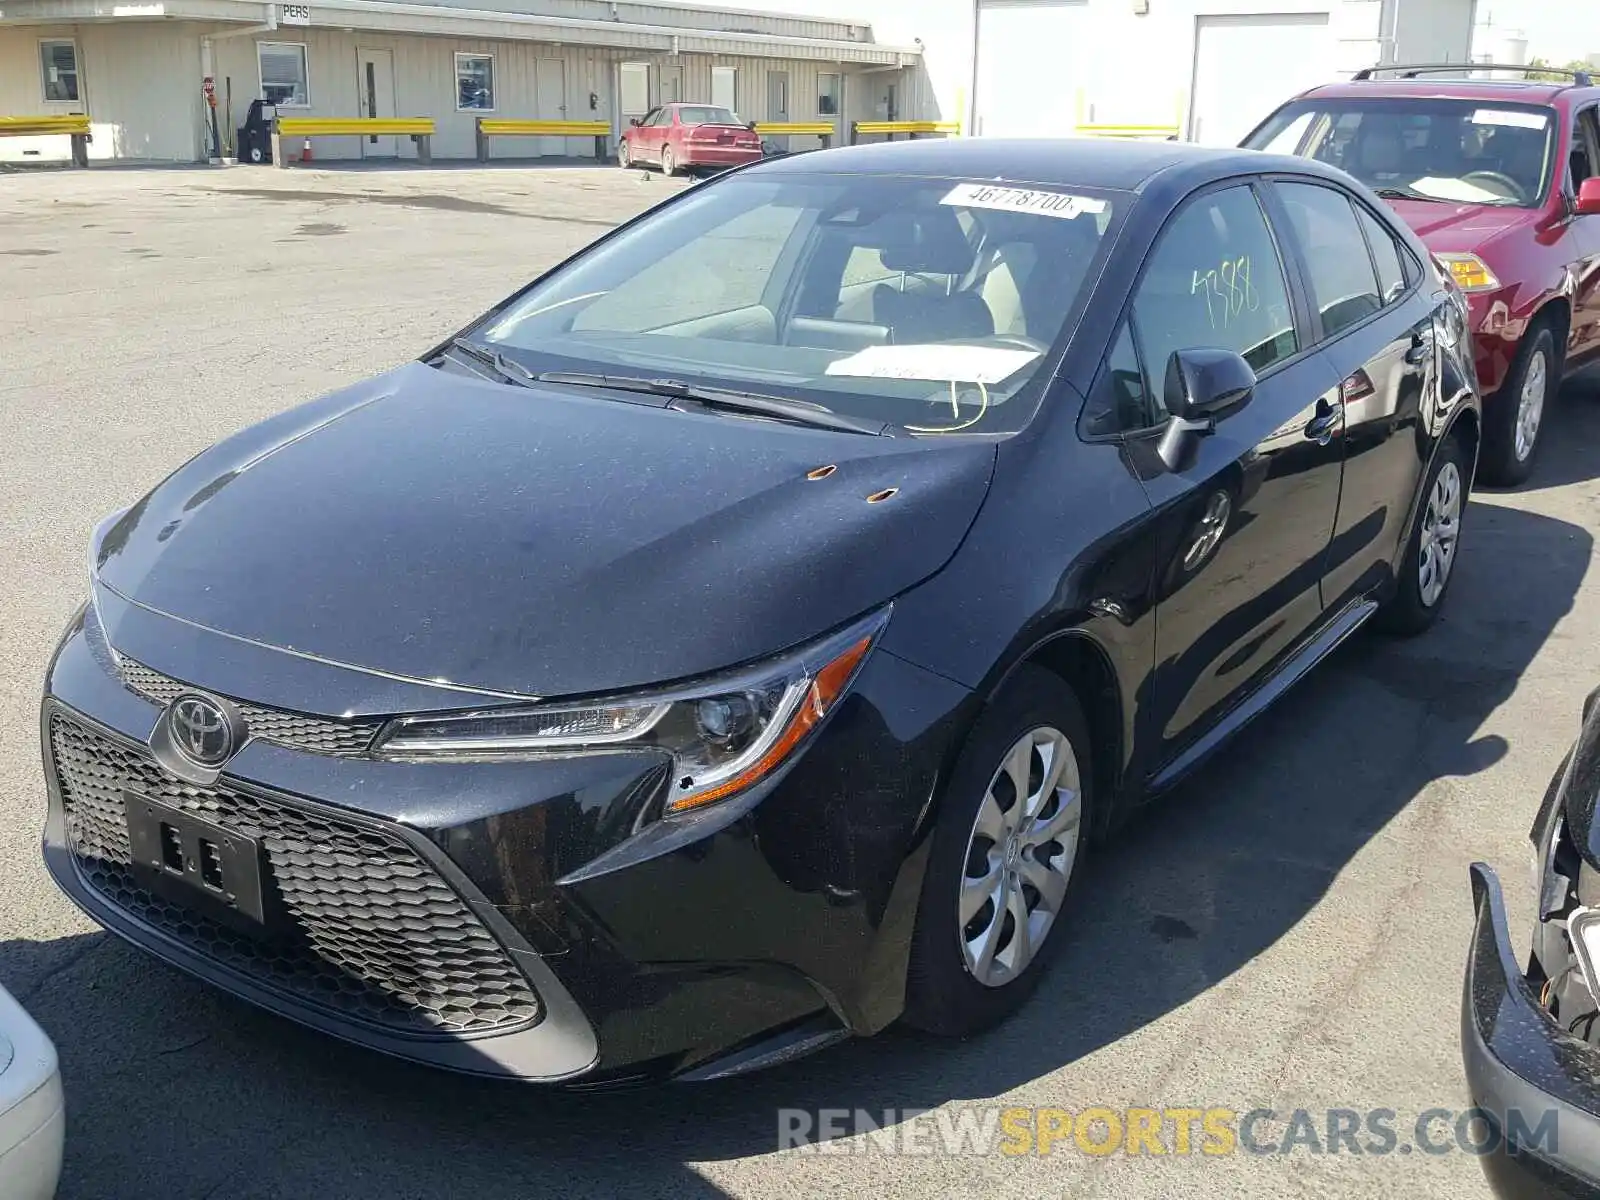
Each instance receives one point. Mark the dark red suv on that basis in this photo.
(1501, 178)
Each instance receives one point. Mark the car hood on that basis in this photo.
(1450, 228)
(537, 542)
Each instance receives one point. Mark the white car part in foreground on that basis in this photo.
(32, 1119)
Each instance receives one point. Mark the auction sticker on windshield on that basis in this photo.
(940, 361)
(1512, 117)
(1027, 200)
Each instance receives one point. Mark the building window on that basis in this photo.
(830, 94)
(283, 74)
(59, 62)
(475, 82)
(724, 86)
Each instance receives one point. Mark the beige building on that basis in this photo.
(138, 69)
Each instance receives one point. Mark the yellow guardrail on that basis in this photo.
(515, 126)
(908, 127)
(72, 123)
(797, 128)
(1128, 131)
(354, 126)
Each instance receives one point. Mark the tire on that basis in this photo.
(1508, 459)
(1419, 595)
(669, 164)
(624, 155)
(949, 989)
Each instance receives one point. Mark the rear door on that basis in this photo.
(1244, 528)
(1375, 325)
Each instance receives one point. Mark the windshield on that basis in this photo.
(930, 304)
(706, 114)
(1448, 150)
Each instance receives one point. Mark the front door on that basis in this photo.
(550, 100)
(375, 88)
(671, 90)
(1584, 239)
(1244, 525)
(778, 105)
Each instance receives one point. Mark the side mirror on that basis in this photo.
(1589, 197)
(634, 121)
(750, 125)
(1201, 386)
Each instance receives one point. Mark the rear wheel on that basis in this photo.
(1514, 416)
(1006, 853)
(669, 162)
(1431, 551)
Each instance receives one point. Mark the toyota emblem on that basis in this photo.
(201, 730)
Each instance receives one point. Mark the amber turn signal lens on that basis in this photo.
(825, 689)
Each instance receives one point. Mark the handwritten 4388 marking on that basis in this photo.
(1228, 291)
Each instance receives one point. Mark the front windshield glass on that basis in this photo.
(1462, 151)
(931, 304)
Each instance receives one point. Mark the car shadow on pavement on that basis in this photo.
(174, 1090)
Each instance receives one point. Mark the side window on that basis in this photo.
(1120, 400)
(1343, 287)
(1386, 255)
(1215, 280)
(1585, 145)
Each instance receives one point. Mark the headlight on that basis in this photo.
(1583, 930)
(723, 735)
(1470, 272)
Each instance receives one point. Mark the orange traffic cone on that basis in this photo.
(305, 151)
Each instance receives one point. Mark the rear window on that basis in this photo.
(1452, 151)
(706, 114)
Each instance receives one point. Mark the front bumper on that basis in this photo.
(514, 919)
(1524, 1071)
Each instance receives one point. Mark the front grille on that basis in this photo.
(316, 734)
(369, 929)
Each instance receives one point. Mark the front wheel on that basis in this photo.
(669, 163)
(624, 156)
(1006, 852)
(1514, 416)
(1432, 548)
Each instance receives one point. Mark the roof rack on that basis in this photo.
(1412, 70)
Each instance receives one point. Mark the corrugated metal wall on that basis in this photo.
(425, 85)
(139, 82)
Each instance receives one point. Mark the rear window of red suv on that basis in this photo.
(1450, 150)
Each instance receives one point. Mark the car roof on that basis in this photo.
(1511, 91)
(1084, 162)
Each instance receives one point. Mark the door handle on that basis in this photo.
(1320, 428)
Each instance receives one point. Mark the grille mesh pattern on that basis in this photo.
(371, 930)
(316, 734)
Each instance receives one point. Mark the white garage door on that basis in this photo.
(1244, 67)
(1027, 77)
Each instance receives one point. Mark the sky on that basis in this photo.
(1557, 30)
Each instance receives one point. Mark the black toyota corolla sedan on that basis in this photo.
(733, 641)
(1530, 1038)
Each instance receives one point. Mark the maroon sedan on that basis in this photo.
(684, 137)
(1501, 179)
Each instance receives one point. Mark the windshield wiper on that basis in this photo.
(779, 408)
(1407, 193)
(508, 369)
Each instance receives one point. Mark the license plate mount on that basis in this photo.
(196, 861)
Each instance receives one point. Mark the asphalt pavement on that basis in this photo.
(1287, 931)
